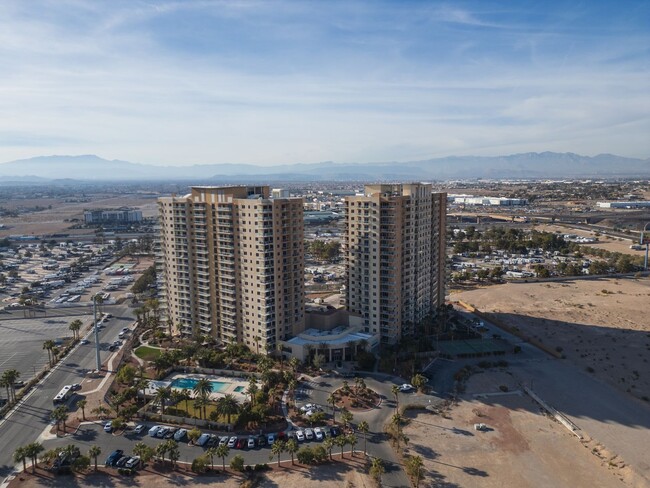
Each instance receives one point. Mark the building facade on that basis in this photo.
(121, 216)
(395, 250)
(232, 263)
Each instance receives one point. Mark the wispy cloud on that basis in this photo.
(269, 82)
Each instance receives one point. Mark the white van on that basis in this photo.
(154, 430)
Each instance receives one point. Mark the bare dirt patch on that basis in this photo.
(601, 325)
(522, 447)
(612, 244)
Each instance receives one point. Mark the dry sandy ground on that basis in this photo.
(608, 243)
(602, 324)
(52, 220)
(523, 447)
(335, 475)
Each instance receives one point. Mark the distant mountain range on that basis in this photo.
(515, 166)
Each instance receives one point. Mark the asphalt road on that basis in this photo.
(27, 422)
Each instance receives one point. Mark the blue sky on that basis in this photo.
(200, 81)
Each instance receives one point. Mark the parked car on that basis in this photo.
(114, 457)
(241, 443)
(83, 342)
(153, 431)
(232, 441)
(139, 428)
(318, 432)
(108, 426)
(300, 436)
(76, 387)
(406, 388)
(251, 442)
(309, 434)
(270, 439)
(170, 432)
(122, 461)
(212, 441)
(223, 440)
(162, 432)
(201, 441)
(335, 432)
(261, 440)
(180, 434)
(133, 463)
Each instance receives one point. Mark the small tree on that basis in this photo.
(292, 448)
(193, 435)
(352, 440)
(419, 381)
(222, 452)
(329, 445)
(81, 404)
(199, 465)
(82, 463)
(364, 428)
(20, 456)
(277, 449)
(377, 469)
(341, 441)
(237, 463)
(415, 469)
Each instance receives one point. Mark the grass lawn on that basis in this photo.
(147, 353)
(181, 412)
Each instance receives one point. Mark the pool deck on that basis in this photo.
(231, 385)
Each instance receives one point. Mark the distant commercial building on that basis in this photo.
(232, 264)
(630, 205)
(112, 216)
(395, 249)
(486, 201)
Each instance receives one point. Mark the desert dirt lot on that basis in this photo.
(612, 244)
(52, 220)
(522, 447)
(335, 475)
(601, 325)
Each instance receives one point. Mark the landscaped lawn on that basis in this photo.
(147, 353)
(180, 411)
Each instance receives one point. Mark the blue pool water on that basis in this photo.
(188, 384)
(239, 389)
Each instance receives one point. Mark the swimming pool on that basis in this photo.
(188, 384)
(240, 389)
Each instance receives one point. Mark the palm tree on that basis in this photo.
(329, 445)
(33, 450)
(20, 455)
(200, 404)
(278, 349)
(252, 388)
(9, 378)
(341, 441)
(227, 405)
(211, 453)
(294, 362)
(332, 401)
(395, 390)
(396, 421)
(60, 414)
(94, 453)
(161, 451)
(292, 447)
(163, 394)
(414, 467)
(177, 396)
(257, 340)
(101, 411)
(140, 449)
(346, 417)
(4, 383)
(277, 449)
(222, 452)
(352, 440)
(291, 385)
(75, 326)
(82, 405)
(364, 428)
(172, 451)
(49, 345)
(377, 469)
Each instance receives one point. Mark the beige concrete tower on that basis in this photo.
(232, 264)
(395, 247)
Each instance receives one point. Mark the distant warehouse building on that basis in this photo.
(635, 204)
(121, 215)
(486, 201)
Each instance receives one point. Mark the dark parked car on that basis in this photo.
(170, 433)
(335, 432)
(240, 443)
(122, 461)
(212, 441)
(114, 457)
(261, 440)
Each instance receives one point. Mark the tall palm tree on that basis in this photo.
(75, 326)
(252, 388)
(227, 405)
(277, 449)
(257, 340)
(377, 469)
(292, 448)
(341, 441)
(9, 378)
(82, 405)
(20, 455)
(161, 451)
(346, 417)
(222, 452)
(396, 422)
(352, 440)
(328, 443)
(49, 345)
(395, 390)
(202, 389)
(332, 401)
(94, 453)
(32, 451)
(364, 428)
(414, 467)
(163, 394)
(278, 349)
(211, 452)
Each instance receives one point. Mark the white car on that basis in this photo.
(83, 342)
(138, 429)
(318, 432)
(232, 441)
(251, 442)
(309, 434)
(132, 463)
(223, 440)
(406, 387)
(307, 407)
(108, 426)
(300, 436)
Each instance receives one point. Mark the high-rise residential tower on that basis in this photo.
(395, 248)
(232, 264)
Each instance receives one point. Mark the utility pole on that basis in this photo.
(99, 361)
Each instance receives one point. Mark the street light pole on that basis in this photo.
(99, 361)
(647, 245)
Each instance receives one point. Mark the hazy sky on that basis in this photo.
(297, 81)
